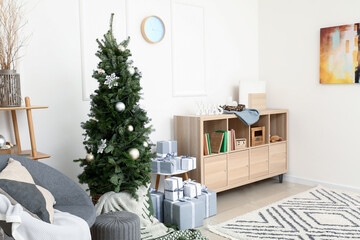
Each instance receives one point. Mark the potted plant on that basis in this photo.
(11, 42)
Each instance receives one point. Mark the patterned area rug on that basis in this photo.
(319, 213)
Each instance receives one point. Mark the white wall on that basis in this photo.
(51, 70)
(324, 119)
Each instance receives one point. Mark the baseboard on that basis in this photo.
(312, 182)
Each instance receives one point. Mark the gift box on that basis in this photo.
(186, 213)
(173, 183)
(188, 163)
(157, 199)
(173, 187)
(209, 199)
(163, 165)
(192, 189)
(163, 148)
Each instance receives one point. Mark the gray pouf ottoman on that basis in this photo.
(116, 226)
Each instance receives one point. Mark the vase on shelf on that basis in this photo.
(10, 92)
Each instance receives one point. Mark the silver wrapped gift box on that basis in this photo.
(163, 148)
(185, 213)
(163, 165)
(209, 199)
(157, 199)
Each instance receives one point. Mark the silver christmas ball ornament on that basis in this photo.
(122, 48)
(120, 106)
(130, 128)
(134, 153)
(90, 157)
(2, 141)
(131, 70)
(145, 144)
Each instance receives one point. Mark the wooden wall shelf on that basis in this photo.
(33, 153)
(226, 170)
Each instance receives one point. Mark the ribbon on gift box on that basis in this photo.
(207, 201)
(192, 182)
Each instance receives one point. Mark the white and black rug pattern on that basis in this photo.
(319, 213)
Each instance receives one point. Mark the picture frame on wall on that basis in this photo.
(339, 54)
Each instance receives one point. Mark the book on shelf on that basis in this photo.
(229, 141)
(224, 143)
(206, 145)
(208, 140)
(232, 139)
(216, 140)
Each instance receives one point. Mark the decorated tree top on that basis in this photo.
(117, 132)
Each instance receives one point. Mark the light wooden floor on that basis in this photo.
(238, 201)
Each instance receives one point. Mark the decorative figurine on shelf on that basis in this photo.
(275, 138)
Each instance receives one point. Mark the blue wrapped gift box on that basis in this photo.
(157, 199)
(163, 165)
(185, 213)
(208, 197)
(163, 148)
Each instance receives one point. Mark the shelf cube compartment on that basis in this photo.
(263, 122)
(278, 125)
(241, 129)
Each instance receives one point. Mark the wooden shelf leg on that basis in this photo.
(186, 176)
(31, 128)
(281, 178)
(16, 129)
(157, 181)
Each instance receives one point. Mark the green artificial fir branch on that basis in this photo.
(107, 133)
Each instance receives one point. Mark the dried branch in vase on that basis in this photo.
(11, 26)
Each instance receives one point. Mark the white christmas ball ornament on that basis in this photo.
(121, 48)
(90, 157)
(145, 144)
(131, 70)
(130, 128)
(2, 141)
(134, 153)
(120, 106)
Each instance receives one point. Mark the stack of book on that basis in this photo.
(219, 141)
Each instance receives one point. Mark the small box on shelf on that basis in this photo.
(240, 143)
(257, 136)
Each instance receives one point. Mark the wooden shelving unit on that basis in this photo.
(33, 153)
(226, 170)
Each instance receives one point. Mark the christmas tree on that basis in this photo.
(117, 132)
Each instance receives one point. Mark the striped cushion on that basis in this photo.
(19, 186)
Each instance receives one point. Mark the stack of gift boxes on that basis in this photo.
(167, 161)
(185, 203)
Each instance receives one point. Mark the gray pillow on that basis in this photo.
(18, 185)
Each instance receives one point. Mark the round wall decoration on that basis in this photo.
(153, 29)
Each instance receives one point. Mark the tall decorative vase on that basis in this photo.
(10, 93)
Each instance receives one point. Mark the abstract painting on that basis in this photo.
(340, 54)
